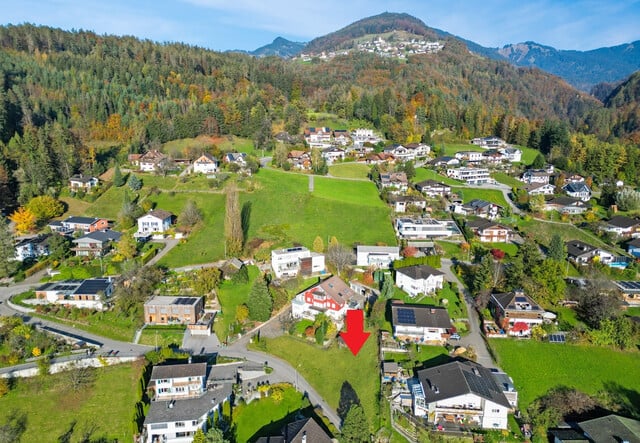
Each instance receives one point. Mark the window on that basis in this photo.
(495, 411)
(179, 424)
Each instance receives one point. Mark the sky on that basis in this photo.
(249, 24)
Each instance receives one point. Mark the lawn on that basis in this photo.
(506, 179)
(104, 323)
(74, 206)
(510, 249)
(451, 249)
(230, 295)
(107, 407)
(328, 369)
(537, 367)
(429, 174)
(633, 311)
(350, 170)
(162, 336)
(542, 232)
(493, 195)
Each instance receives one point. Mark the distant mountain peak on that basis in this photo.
(280, 47)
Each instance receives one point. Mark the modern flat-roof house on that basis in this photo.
(472, 176)
(419, 279)
(96, 243)
(490, 232)
(205, 164)
(90, 293)
(422, 228)
(432, 188)
(291, 261)
(469, 156)
(630, 291)
(377, 256)
(578, 190)
(165, 310)
(515, 312)
(305, 430)
(420, 323)
(184, 399)
(489, 142)
(155, 221)
(331, 296)
(81, 182)
(460, 392)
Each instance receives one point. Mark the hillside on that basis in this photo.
(624, 101)
(280, 47)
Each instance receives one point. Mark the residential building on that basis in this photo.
(623, 226)
(515, 312)
(96, 243)
(91, 293)
(420, 150)
(432, 188)
(402, 203)
(299, 159)
(155, 221)
(566, 205)
(341, 137)
(539, 189)
(79, 224)
(489, 232)
(318, 137)
(363, 135)
(493, 157)
(578, 190)
(184, 400)
(152, 160)
(479, 208)
(489, 142)
(396, 181)
(444, 162)
(291, 261)
(166, 310)
(472, 176)
(377, 256)
(422, 228)
(608, 429)
(531, 176)
(460, 392)
(419, 279)
(32, 248)
(239, 158)
(508, 388)
(81, 182)
(391, 371)
(580, 252)
(630, 292)
(305, 430)
(420, 323)
(514, 155)
(400, 153)
(331, 296)
(633, 247)
(469, 156)
(333, 154)
(205, 164)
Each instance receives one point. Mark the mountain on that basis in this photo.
(280, 47)
(624, 101)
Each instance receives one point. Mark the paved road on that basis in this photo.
(169, 244)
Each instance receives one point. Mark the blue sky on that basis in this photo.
(249, 24)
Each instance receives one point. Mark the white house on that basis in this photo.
(539, 189)
(331, 296)
(400, 153)
(31, 248)
(205, 164)
(402, 203)
(318, 137)
(378, 256)
(420, 150)
(514, 155)
(470, 156)
(333, 154)
(535, 176)
(422, 228)
(155, 221)
(90, 293)
(83, 182)
(473, 176)
(489, 142)
(291, 261)
(419, 279)
(152, 161)
(460, 392)
(420, 323)
(578, 190)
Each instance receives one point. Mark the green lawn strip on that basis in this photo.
(74, 206)
(537, 367)
(492, 195)
(633, 311)
(176, 148)
(150, 180)
(328, 369)
(506, 179)
(162, 336)
(109, 204)
(451, 249)
(510, 249)
(528, 154)
(265, 417)
(103, 323)
(196, 182)
(230, 295)
(429, 174)
(542, 232)
(350, 170)
(51, 409)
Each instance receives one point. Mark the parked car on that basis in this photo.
(455, 336)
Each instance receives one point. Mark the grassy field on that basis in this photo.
(350, 170)
(429, 174)
(107, 407)
(328, 369)
(537, 367)
(74, 206)
(509, 248)
(506, 179)
(230, 296)
(104, 323)
(542, 232)
(492, 195)
(176, 148)
(162, 336)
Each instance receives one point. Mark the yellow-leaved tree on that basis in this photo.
(24, 219)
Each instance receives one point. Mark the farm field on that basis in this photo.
(537, 367)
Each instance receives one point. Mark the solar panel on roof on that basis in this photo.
(406, 315)
(557, 338)
(521, 299)
(478, 384)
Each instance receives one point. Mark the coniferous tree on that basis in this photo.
(355, 428)
(134, 183)
(118, 178)
(7, 250)
(259, 302)
(556, 248)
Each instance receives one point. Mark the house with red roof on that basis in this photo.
(331, 296)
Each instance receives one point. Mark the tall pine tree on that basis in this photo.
(259, 302)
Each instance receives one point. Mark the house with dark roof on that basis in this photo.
(79, 224)
(539, 189)
(578, 190)
(444, 161)
(433, 188)
(81, 182)
(623, 226)
(333, 154)
(608, 429)
(151, 161)
(395, 181)
(239, 158)
(479, 208)
(633, 247)
(566, 205)
(331, 296)
(184, 400)
(420, 323)
(155, 221)
(460, 393)
(90, 293)
(419, 279)
(515, 312)
(490, 232)
(96, 243)
(32, 247)
(306, 430)
(580, 252)
(531, 176)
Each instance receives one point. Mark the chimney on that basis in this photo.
(170, 405)
(304, 437)
(189, 360)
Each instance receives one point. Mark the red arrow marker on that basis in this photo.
(355, 336)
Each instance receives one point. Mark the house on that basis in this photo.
(152, 160)
(420, 150)
(155, 221)
(299, 159)
(32, 248)
(460, 392)
(633, 247)
(578, 190)
(480, 208)
(608, 429)
(376, 158)
(432, 188)
(580, 252)
(469, 156)
(419, 279)
(422, 228)
(305, 430)
(90, 293)
(238, 158)
(630, 291)
(395, 180)
(331, 296)
(623, 226)
(489, 142)
(341, 137)
(472, 176)
(402, 203)
(400, 153)
(363, 135)
(318, 137)
(333, 154)
(79, 224)
(493, 157)
(508, 388)
(566, 205)
(168, 310)
(96, 243)
(574, 178)
(515, 312)
(535, 176)
(444, 161)
(291, 261)
(205, 164)
(184, 399)
(489, 232)
(539, 189)
(377, 256)
(80, 182)
(391, 371)
(420, 323)
(514, 155)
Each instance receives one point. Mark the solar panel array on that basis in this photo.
(480, 385)
(633, 285)
(184, 301)
(557, 338)
(406, 316)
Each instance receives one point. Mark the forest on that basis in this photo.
(76, 101)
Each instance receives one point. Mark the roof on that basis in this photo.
(101, 236)
(179, 371)
(515, 301)
(430, 183)
(81, 220)
(566, 201)
(378, 249)
(459, 378)
(208, 157)
(482, 224)
(576, 187)
(568, 435)
(305, 430)
(390, 366)
(160, 213)
(620, 221)
(93, 286)
(477, 203)
(635, 243)
(164, 300)
(419, 272)
(612, 428)
(187, 409)
(423, 316)
(81, 178)
(576, 248)
(337, 289)
(534, 186)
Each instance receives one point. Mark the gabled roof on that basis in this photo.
(566, 201)
(577, 248)
(612, 428)
(160, 213)
(534, 186)
(82, 178)
(422, 316)
(305, 430)
(574, 187)
(431, 183)
(101, 236)
(482, 224)
(152, 156)
(208, 158)
(179, 371)
(81, 220)
(635, 243)
(335, 288)
(460, 378)
(620, 221)
(419, 272)
(515, 301)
